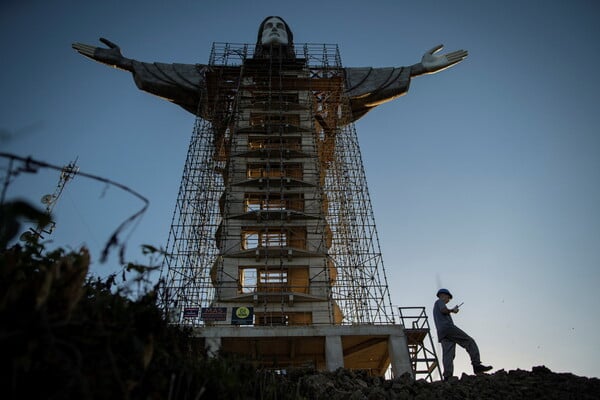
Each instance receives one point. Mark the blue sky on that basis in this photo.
(485, 178)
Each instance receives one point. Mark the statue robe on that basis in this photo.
(181, 84)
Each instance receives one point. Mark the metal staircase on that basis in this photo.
(421, 348)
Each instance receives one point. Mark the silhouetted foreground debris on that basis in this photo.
(64, 335)
(540, 383)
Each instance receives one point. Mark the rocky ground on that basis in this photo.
(539, 383)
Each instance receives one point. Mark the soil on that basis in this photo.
(539, 383)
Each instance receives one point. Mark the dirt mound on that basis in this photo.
(539, 383)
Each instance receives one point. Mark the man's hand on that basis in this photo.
(432, 62)
(455, 309)
(111, 56)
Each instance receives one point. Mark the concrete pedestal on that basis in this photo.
(367, 347)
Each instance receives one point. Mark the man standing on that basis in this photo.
(449, 335)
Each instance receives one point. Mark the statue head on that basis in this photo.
(274, 33)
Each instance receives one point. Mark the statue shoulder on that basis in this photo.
(360, 81)
(185, 76)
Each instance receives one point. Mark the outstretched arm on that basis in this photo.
(370, 87)
(178, 83)
(110, 56)
(432, 62)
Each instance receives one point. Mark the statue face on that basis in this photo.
(274, 32)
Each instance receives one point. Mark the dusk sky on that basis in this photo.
(484, 178)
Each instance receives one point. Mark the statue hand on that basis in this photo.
(435, 63)
(111, 56)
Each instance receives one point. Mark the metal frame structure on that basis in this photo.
(421, 348)
(273, 210)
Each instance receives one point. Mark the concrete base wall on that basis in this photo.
(370, 347)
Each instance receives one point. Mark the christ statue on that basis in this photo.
(273, 221)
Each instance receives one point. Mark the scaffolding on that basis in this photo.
(421, 349)
(273, 212)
